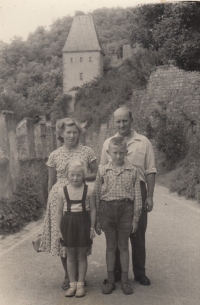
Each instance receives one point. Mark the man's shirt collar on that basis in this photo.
(132, 138)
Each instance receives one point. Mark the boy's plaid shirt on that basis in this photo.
(112, 185)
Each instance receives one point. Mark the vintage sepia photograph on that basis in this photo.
(99, 152)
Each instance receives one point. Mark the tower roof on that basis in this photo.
(82, 35)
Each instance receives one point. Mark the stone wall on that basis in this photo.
(22, 146)
(28, 142)
(9, 163)
(179, 89)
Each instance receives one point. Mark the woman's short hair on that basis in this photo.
(67, 122)
(73, 164)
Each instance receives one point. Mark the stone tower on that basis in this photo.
(82, 53)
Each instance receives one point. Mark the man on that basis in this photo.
(140, 154)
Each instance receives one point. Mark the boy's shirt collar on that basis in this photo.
(126, 165)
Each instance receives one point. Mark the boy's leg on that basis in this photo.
(108, 214)
(124, 252)
(111, 245)
(118, 270)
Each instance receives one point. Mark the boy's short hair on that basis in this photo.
(117, 141)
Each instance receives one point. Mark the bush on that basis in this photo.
(186, 179)
(170, 134)
(26, 204)
(96, 100)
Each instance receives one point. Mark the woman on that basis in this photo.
(68, 132)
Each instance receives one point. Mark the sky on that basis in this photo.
(21, 17)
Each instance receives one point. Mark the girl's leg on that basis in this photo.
(71, 263)
(82, 263)
(82, 269)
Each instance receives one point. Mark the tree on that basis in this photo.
(177, 35)
(112, 28)
(142, 21)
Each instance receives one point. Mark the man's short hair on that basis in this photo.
(117, 141)
(125, 108)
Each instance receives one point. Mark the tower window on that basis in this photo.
(81, 59)
(71, 59)
(81, 76)
(90, 59)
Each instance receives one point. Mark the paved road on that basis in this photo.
(173, 263)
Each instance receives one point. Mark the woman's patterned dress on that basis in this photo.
(58, 159)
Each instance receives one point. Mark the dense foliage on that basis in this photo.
(29, 200)
(31, 70)
(142, 21)
(170, 133)
(174, 127)
(173, 29)
(104, 95)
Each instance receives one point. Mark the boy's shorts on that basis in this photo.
(116, 215)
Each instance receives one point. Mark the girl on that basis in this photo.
(76, 216)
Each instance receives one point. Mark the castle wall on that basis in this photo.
(167, 83)
(179, 89)
(9, 163)
(24, 148)
(80, 67)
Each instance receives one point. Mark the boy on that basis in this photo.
(119, 205)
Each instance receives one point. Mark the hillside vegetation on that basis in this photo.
(31, 76)
(31, 70)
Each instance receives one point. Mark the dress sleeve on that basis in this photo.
(91, 155)
(51, 160)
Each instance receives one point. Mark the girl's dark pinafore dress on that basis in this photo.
(75, 226)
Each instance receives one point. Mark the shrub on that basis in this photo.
(170, 135)
(186, 178)
(26, 204)
(97, 99)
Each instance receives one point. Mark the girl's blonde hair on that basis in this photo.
(68, 122)
(73, 164)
